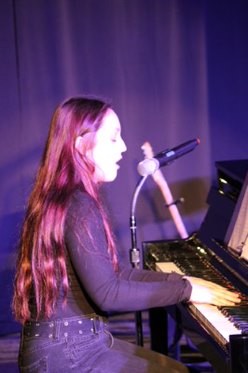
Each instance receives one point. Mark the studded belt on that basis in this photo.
(65, 327)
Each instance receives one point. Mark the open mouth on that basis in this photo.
(116, 163)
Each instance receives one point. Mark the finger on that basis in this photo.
(229, 301)
(222, 302)
(229, 295)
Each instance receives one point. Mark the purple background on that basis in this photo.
(174, 70)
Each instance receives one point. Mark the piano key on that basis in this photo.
(205, 256)
(212, 318)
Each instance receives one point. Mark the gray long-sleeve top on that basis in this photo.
(94, 284)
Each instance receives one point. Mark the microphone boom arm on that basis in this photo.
(134, 251)
(135, 254)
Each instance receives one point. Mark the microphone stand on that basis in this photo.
(135, 254)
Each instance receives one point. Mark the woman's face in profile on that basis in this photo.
(108, 148)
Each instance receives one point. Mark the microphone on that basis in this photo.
(149, 166)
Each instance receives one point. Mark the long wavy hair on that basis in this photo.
(41, 264)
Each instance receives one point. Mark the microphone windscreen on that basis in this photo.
(148, 166)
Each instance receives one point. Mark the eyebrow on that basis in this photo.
(117, 131)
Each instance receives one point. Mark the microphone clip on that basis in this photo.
(175, 202)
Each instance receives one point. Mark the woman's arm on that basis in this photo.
(128, 290)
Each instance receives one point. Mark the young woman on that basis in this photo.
(68, 277)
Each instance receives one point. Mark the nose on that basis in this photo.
(123, 146)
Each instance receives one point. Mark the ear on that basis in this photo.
(79, 145)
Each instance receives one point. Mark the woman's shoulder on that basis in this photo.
(80, 196)
(81, 201)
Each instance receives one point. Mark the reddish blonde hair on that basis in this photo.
(41, 264)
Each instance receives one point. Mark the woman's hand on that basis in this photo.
(208, 292)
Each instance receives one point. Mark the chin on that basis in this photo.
(106, 177)
(109, 178)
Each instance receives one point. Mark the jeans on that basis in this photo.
(84, 344)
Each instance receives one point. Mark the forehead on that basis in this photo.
(110, 124)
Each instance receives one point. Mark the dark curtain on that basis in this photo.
(173, 69)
